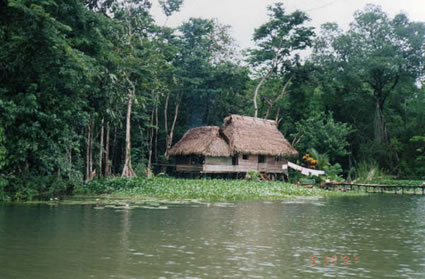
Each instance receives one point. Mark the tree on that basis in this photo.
(204, 47)
(379, 53)
(170, 6)
(325, 135)
(51, 63)
(136, 22)
(276, 41)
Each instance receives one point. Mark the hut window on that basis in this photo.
(245, 156)
(260, 158)
(235, 160)
(197, 160)
(277, 158)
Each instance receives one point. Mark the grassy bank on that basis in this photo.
(205, 189)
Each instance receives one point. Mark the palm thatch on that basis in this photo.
(204, 141)
(255, 136)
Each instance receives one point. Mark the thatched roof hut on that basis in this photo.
(204, 141)
(255, 136)
(240, 134)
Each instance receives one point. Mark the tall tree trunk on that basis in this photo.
(277, 118)
(149, 169)
(380, 124)
(128, 169)
(257, 89)
(102, 134)
(156, 131)
(282, 93)
(114, 151)
(173, 126)
(89, 154)
(92, 171)
(107, 164)
(166, 118)
(166, 124)
(381, 95)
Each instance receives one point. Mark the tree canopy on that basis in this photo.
(91, 89)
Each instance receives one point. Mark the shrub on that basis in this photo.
(367, 171)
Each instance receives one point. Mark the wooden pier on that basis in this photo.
(375, 188)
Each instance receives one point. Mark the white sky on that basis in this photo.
(246, 15)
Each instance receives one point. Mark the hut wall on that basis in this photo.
(226, 161)
(271, 165)
(244, 165)
(218, 165)
(224, 164)
(186, 164)
(251, 163)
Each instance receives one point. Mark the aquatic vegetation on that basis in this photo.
(205, 189)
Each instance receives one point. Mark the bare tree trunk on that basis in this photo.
(257, 89)
(166, 117)
(256, 94)
(92, 172)
(156, 131)
(149, 169)
(282, 93)
(381, 135)
(107, 164)
(114, 150)
(89, 154)
(166, 124)
(173, 126)
(128, 169)
(102, 132)
(142, 146)
(380, 124)
(277, 119)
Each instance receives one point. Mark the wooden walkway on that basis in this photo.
(375, 188)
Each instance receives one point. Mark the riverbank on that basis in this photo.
(200, 189)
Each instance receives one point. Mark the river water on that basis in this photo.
(376, 236)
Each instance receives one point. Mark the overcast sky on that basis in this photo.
(246, 15)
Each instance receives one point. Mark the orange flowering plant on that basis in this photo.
(310, 161)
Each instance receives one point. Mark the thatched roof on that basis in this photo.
(201, 141)
(240, 134)
(256, 136)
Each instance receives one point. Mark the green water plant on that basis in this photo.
(204, 189)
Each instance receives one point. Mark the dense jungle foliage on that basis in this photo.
(92, 89)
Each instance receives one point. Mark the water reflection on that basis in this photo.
(351, 237)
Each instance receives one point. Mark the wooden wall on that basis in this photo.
(224, 165)
(271, 165)
(226, 161)
(186, 164)
(251, 163)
